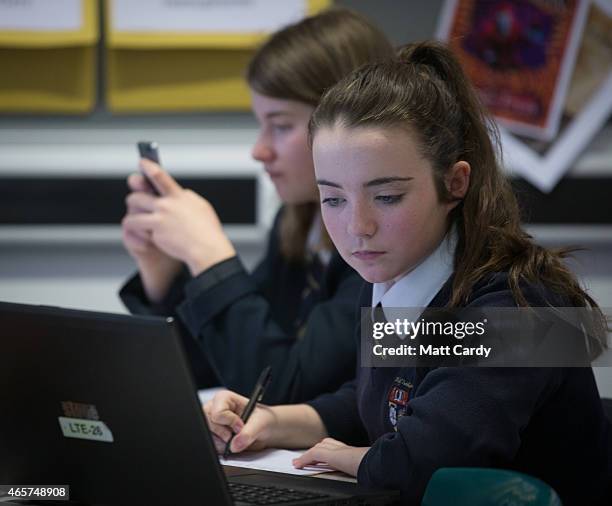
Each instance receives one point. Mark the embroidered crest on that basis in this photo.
(398, 399)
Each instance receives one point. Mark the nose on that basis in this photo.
(262, 151)
(361, 221)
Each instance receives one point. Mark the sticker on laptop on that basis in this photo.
(82, 421)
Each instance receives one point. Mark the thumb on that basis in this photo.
(164, 183)
(249, 434)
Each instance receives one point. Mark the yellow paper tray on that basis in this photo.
(55, 72)
(180, 71)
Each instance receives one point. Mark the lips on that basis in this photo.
(274, 175)
(367, 254)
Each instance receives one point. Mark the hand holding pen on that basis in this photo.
(256, 396)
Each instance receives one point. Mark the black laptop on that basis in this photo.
(106, 404)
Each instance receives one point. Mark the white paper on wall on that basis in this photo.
(225, 16)
(41, 15)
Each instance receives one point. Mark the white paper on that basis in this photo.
(40, 15)
(225, 16)
(208, 393)
(545, 171)
(273, 460)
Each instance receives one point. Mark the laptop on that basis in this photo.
(106, 404)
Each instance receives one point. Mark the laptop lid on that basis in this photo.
(105, 403)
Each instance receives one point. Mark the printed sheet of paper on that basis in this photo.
(273, 460)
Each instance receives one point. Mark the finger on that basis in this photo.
(140, 202)
(163, 182)
(249, 434)
(136, 243)
(139, 223)
(137, 183)
(221, 431)
(219, 445)
(226, 408)
(139, 235)
(315, 455)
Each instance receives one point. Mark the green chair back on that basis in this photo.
(473, 486)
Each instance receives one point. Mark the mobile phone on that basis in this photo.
(150, 151)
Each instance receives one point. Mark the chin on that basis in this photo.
(376, 278)
(372, 275)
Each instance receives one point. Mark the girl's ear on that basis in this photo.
(457, 180)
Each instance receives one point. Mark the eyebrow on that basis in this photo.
(374, 182)
(275, 114)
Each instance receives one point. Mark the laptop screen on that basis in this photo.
(104, 403)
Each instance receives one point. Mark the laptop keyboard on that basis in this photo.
(257, 494)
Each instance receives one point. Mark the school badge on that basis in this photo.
(398, 399)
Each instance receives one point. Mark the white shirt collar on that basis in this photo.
(418, 287)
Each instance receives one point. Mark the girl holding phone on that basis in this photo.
(413, 198)
(295, 311)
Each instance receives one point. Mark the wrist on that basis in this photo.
(201, 259)
(295, 426)
(157, 277)
(358, 457)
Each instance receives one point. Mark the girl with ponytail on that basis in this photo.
(414, 200)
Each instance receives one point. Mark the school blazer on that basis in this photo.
(546, 422)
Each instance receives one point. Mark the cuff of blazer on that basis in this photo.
(212, 291)
(134, 298)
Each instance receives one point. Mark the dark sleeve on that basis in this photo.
(133, 296)
(339, 413)
(460, 417)
(339, 410)
(233, 321)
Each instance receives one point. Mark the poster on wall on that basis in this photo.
(519, 55)
(579, 79)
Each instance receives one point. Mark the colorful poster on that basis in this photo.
(520, 55)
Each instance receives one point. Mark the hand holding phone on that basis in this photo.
(150, 151)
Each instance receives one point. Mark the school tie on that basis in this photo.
(315, 272)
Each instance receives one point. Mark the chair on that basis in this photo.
(473, 486)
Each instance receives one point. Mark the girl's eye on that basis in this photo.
(390, 199)
(282, 128)
(332, 201)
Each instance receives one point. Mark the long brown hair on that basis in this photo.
(299, 63)
(426, 92)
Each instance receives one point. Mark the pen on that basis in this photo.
(256, 396)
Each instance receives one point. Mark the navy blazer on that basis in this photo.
(546, 422)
